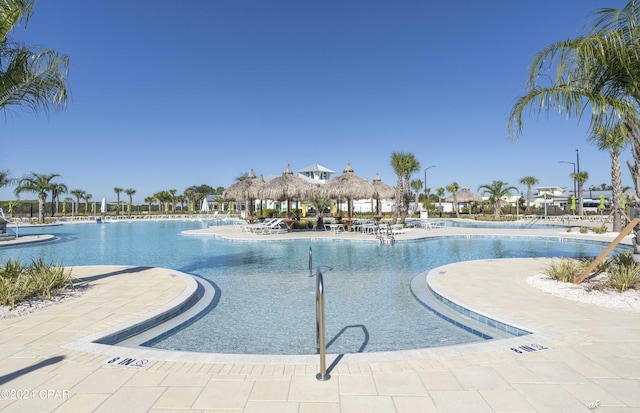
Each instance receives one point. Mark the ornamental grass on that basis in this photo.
(19, 282)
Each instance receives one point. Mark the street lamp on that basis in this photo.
(575, 188)
(425, 182)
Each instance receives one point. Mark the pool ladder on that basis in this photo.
(320, 334)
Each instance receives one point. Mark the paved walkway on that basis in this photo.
(578, 355)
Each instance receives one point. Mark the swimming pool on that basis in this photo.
(468, 223)
(266, 299)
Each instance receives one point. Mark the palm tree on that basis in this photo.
(39, 184)
(613, 140)
(320, 204)
(440, 192)
(496, 190)
(580, 177)
(87, 198)
(411, 166)
(130, 192)
(600, 70)
(149, 200)
(56, 190)
(30, 76)
(397, 165)
(78, 193)
(453, 188)
(172, 198)
(403, 164)
(5, 178)
(189, 196)
(416, 185)
(118, 191)
(529, 181)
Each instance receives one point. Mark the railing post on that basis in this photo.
(310, 263)
(323, 375)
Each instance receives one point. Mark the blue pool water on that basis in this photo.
(467, 223)
(266, 297)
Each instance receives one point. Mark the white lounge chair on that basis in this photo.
(274, 227)
(259, 226)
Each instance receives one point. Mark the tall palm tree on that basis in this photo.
(149, 200)
(529, 181)
(130, 192)
(411, 166)
(599, 71)
(613, 140)
(78, 193)
(453, 188)
(39, 184)
(189, 196)
(31, 77)
(118, 191)
(496, 190)
(580, 178)
(397, 163)
(56, 190)
(87, 198)
(172, 198)
(440, 192)
(416, 185)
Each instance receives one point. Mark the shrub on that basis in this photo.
(623, 259)
(584, 230)
(564, 269)
(600, 230)
(624, 277)
(18, 282)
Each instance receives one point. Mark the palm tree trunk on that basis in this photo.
(42, 198)
(616, 192)
(398, 200)
(634, 137)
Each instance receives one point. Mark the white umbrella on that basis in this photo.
(103, 205)
(205, 206)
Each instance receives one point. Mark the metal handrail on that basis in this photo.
(323, 375)
(310, 262)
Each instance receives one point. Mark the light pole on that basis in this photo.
(575, 187)
(425, 181)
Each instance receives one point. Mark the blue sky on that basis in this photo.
(166, 95)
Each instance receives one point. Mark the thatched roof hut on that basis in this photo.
(464, 195)
(382, 191)
(245, 190)
(348, 186)
(287, 187)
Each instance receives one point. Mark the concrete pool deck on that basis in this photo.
(579, 354)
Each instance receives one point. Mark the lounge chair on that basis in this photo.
(273, 227)
(259, 226)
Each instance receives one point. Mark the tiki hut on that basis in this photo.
(463, 195)
(245, 190)
(381, 191)
(348, 186)
(287, 187)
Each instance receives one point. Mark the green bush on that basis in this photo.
(600, 230)
(18, 282)
(623, 259)
(564, 269)
(584, 230)
(624, 277)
